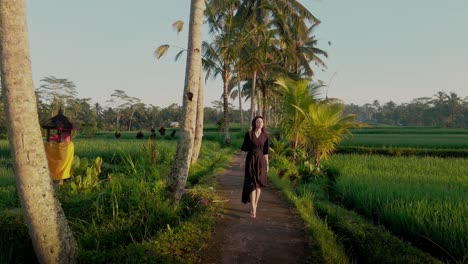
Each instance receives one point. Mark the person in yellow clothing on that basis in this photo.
(60, 151)
(59, 148)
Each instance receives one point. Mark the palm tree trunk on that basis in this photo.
(180, 167)
(130, 121)
(227, 137)
(240, 104)
(48, 228)
(200, 118)
(264, 106)
(259, 103)
(252, 96)
(117, 121)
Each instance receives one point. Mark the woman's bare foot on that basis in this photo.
(252, 214)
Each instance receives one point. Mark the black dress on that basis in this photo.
(255, 163)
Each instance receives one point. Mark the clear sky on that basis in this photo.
(387, 50)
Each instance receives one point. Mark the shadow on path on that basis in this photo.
(277, 235)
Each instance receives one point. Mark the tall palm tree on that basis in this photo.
(276, 17)
(234, 29)
(454, 105)
(235, 92)
(50, 233)
(219, 55)
(180, 167)
(300, 49)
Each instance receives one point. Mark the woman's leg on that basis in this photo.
(253, 204)
(257, 197)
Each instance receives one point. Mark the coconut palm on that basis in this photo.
(326, 127)
(50, 233)
(231, 32)
(237, 94)
(284, 46)
(180, 167)
(301, 50)
(294, 96)
(454, 105)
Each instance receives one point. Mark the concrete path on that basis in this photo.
(277, 235)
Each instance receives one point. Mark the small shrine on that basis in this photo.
(60, 123)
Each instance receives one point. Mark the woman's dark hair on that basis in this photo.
(254, 125)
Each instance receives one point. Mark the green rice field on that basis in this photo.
(423, 199)
(420, 199)
(428, 141)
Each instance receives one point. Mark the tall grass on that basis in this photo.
(8, 196)
(4, 148)
(421, 199)
(129, 216)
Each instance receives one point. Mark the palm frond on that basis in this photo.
(179, 54)
(178, 26)
(161, 50)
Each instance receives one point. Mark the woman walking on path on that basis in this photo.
(256, 144)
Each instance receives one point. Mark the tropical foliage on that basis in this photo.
(326, 127)
(308, 124)
(295, 95)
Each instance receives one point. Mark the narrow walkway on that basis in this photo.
(277, 235)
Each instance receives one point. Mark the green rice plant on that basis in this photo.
(366, 242)
(363, 241)
(420, 199)
(427, 141)
(408, 130)
(404, 151)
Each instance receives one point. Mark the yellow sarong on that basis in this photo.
(60, 158)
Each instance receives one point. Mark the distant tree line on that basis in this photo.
(442, 109)
(120, 113)
(125, 113)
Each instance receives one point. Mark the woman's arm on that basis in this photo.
(266, 148)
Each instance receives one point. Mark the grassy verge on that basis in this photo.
(332, 251)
